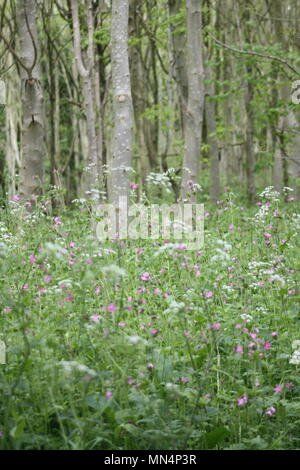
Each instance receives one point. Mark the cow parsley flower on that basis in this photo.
(295, 359)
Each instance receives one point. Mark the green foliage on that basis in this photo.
(196, 357)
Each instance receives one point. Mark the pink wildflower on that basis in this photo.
(242, 400)
(267, 235)
(239, 349)
(184, 380)
(95, 318)
(111, 308)
(214, 326)
(271, 411)
(209, 294)
(154, 332)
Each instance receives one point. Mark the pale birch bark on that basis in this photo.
(250, 156)
(88, 76)
(210, 114)
(13, 121)
(170, 95)
(286, 154)
(138, 90)
(210, 117)
(248, 98)
(179, 52)
(292, 123)
(31, 172)
(277, 12)
(122, 101)
(194, 116)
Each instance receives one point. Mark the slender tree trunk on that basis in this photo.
(210, 117)
(87, 73)
(138, 91)
(278, 125)
(179, 52)
(13, 123)
(31, 173)
(194, 118)
(249, 94)
(250, 157)
(211, 108)
(170, 95)
(122, 101)
(53, 122)
(292, 155)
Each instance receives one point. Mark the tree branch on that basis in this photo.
(258, 54)
(33, 42)
(77, 39)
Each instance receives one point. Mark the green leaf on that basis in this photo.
(212, 438)
(17, 431)
(97, 402)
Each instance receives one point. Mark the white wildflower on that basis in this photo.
(270, 194)
(134, 339)
(114, 271)
(174, 307)
(295, 359)
(246, 317)
(55, 249)
(73, 366)
(296, 344)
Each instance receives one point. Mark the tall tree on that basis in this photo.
(249, 95)
(195, 105)
(179, 48)
(89, 75)
(122, 101)
(31, 174)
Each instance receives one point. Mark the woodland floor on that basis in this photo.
(128, 345)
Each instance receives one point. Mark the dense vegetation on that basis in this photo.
(133, 343)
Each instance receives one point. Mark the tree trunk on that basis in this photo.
(122, 101)
(277, 135)
(179, 49)
(194, 118)
(249, 94)
(210, 117)
(13, 123)
(87, 73)
(31, 173)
